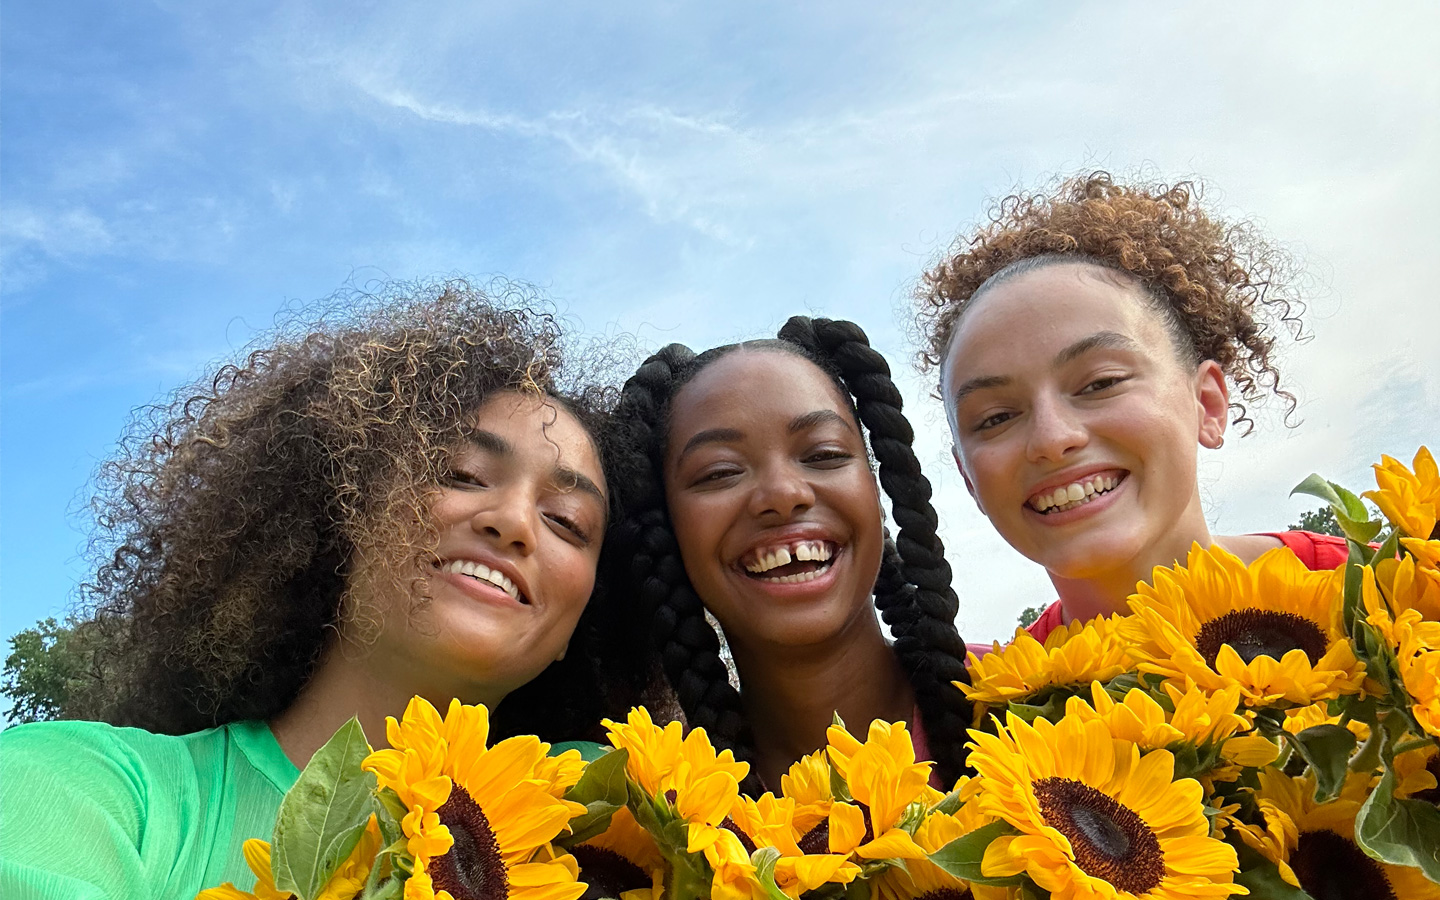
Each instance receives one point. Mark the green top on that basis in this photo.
(88, 810)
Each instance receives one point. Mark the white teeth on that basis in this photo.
(1074, 494)
(485, 573)
(803, 551)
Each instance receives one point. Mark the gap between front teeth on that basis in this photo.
(805, 551)
(483, 572)
(1074, 494)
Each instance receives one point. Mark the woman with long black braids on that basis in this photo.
(753, 499)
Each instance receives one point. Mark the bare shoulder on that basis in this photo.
(1249, 547)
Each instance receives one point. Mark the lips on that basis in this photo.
(492, 572)
(1075, 492)
(789, 558)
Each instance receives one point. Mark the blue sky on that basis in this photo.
(174, 174)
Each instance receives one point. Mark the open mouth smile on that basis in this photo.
(789, 562)
(483, 573)
(1077, 493)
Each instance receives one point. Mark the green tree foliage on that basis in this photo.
(1029, 614)
(49, 667)
(1320, 521)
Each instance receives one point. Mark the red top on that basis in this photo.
(1316, 551)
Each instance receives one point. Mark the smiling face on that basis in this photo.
(521, 517)
(1075, 422)
(774, 507)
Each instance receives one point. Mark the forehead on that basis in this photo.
(1025, 320)
(753, 387)
(539, 428)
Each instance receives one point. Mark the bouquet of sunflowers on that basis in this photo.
(1259, 730)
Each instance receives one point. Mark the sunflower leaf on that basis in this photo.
(962, 857)
(1399, 832)
(323, 816)
(764, 861)
(601, 790)
(1316, 486)
(1327, 749)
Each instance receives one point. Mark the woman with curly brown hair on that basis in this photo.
(1088, 340)
(399, 500)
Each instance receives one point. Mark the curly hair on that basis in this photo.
(913, 590)
(1221, 289)
(229, 517)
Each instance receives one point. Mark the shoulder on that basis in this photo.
(1316, 551)
(87, 752)
(1053, 617)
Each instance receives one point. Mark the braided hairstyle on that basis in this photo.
(913, 591)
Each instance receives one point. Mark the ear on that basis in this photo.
(960, 467)
(1212, 397)
(563, 651)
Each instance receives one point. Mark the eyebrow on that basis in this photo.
(563, 476)
(1100, 340)
(728, 435)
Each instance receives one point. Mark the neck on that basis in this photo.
(351, 681)
(1105, 593)
(791, 695)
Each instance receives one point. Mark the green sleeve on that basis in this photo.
(589, 750)
(74, 821)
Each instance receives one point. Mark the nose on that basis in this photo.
(509, 519)
(1055, 431)
(781, 491)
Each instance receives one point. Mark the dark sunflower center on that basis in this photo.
(816, 841)
(1110, 841)
(947, 894)
(1260, 632)
(1331, 867)
(1431, 795)
(607, 873)
(473, 868)
(729, 825)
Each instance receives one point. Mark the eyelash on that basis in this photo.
(460, 476)
(571, 526)
(1107, 382)
(829, 454)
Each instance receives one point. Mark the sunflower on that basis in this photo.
(1273, 627)
(480, 818)
(808, 784)
(622, 861)
(1313, 844)
(1409, 499)
(923, 880)
(684, 778)
(805, 861)
(345, 884)
(1417, 774)
(1096, 817)
(884, 779)
(1200, 720)
(1301, 718)
(1402, 600)
(1076, 654)
(1420, 673)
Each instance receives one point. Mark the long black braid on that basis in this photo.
(920, 605)
(913, 589)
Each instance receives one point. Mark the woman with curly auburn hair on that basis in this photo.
(1089, 339)
(398, 499)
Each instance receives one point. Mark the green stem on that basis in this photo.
(1416, 744)
(1368, 758)
(687, 878)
